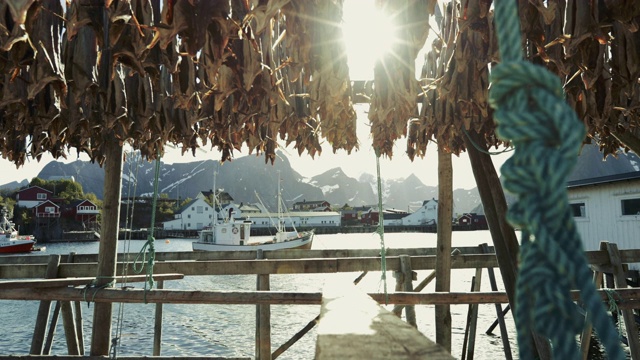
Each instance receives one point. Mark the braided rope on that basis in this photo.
(149, 246)
(547, 135)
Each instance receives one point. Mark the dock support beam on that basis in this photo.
(157, 327)
(108, 252)
(443, 246)
(263, 318)
(44, 310)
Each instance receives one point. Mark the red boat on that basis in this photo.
(10, 241)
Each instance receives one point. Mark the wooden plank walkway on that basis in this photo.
(370, 332)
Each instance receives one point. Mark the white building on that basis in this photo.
(193, 216)
(426, 215)
(307, 219)
(607, 209)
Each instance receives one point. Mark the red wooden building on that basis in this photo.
(46, 209)
(33, 196)
(84, 211)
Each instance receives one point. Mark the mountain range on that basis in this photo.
(249, 180)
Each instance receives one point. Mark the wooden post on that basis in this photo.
(397, 309)
(409, 275)
(443, 251)
(69, 325)
(108, 252)
(399, 276)
(52, 329)
(495, 323)
(78, 312)
(44, 309)
(68, 321)
(157, 328)
(77, 315)
(504, 237)
(585, 338)
(263, 319)
(472, 319)
(503, 327)
(621, 283)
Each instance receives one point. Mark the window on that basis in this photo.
(49, 210)
(42, 196)
(200, 210)
(189, 216)
(631, 206)
(578, 210)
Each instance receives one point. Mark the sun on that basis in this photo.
(368, 34)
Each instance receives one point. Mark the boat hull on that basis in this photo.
(303, 242)
(21, 247)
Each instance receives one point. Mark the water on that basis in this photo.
(229, 330)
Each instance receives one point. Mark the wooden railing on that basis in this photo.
(33, 285)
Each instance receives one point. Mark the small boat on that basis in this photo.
(235, 235)
(10, 241)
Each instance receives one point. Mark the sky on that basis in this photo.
(365, 36)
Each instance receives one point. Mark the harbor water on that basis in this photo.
(229, 330)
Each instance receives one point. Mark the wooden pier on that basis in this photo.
(50, 278)
(142, 234)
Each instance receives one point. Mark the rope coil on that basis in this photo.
(531, 113)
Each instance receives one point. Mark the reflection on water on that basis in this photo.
(229, 330)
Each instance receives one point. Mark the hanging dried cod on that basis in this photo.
(331, 87)
(594, 47)
(396, 88)
(229, 73)
(455, 81)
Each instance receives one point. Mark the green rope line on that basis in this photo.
(380, 231)
(546, 133)
(93, 285)
(149, 246)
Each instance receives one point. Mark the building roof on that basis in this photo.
(223, 196)
(36, 187)
(47, 201)
(189, 204)
(78, 202)
(634, 175)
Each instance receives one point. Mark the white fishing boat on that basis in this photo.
(10, 241)
(232, 234)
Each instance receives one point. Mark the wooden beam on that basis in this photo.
(108, 251)
(597, 257)
(157, 324)
(354, 326)
(443, 247)
(251, 255)
(253, 267)
(263, 318)
(628, 298)
(44, 310)
(44, 283)
(627, 314)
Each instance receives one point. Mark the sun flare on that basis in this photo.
(368, 34)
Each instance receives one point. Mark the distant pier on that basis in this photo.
(142, 234)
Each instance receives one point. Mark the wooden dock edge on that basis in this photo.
(353, 326)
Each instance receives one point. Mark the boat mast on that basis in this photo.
(280, 220)
(213, 201)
